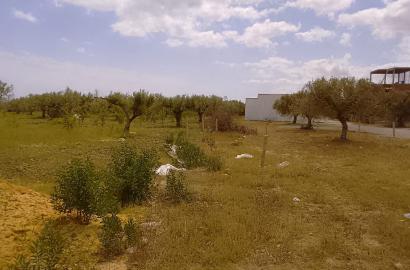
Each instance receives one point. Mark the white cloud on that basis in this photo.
(346, 40)
(24, 16)
(404, 50)
(64, 39)
(281, 73)
(81, 50)
(261, 34)
(321, 7)
(316, 34)
(191, 22)
(390, 21)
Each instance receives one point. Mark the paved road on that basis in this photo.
(403, 133)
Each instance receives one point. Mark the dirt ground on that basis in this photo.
(23, 212)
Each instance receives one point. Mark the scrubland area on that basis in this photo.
(329, 205)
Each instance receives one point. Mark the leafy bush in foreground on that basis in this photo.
(75, 190)
(132, 174)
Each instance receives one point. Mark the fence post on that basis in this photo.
(203, 124)
(216, 124)
(394, 129)
(265, 143)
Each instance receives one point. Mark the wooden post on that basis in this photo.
(203, 124)
(265, 143)
(394, 128)
(187, 127)
(216, 124)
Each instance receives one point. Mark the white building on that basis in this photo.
(261, 108)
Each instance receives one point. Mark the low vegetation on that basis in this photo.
(316, 204)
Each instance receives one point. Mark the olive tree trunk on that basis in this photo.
(127, 126)
(295, 119)
(345, 128)
(178, 117)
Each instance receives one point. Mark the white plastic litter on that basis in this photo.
(283, 164)
(407, 215)
(244, 156)
(165, 169)
(296, 199)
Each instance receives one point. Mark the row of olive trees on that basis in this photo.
(143, 103)
(124, 107)
(345, 99)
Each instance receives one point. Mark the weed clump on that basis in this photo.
(214, 163)
(46, 250)
(112, 235)
(176, 190)
(131, 232)
(116, 237)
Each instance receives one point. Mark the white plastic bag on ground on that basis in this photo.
(244, 156)
(283, 164)
(165, 169)
(407, 215)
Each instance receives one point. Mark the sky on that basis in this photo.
(232, 48)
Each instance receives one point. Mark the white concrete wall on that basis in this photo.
(261, 108)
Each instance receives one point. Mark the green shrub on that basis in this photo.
(131, 232)
(46, 250)
(132, 174)
(175, 188)
(214, 163)
(75, 190)
(191, 155)
(111, 236)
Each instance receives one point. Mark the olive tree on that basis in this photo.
(336, 98)
(397, 107)
(286, 105)
(305, 105)
(177, 105)
(132, 106)
(200, 104)
(6, 91)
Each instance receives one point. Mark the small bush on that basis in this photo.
(245, 130)
(225, 120)
(75, 190)
(175, 188)
(131, 232)
(132, 174)
(214, 163)
(46, 250)
(111, 236)
(191, 155)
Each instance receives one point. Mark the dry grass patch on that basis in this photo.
(23, 213)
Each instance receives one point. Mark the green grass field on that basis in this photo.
(350, 215)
